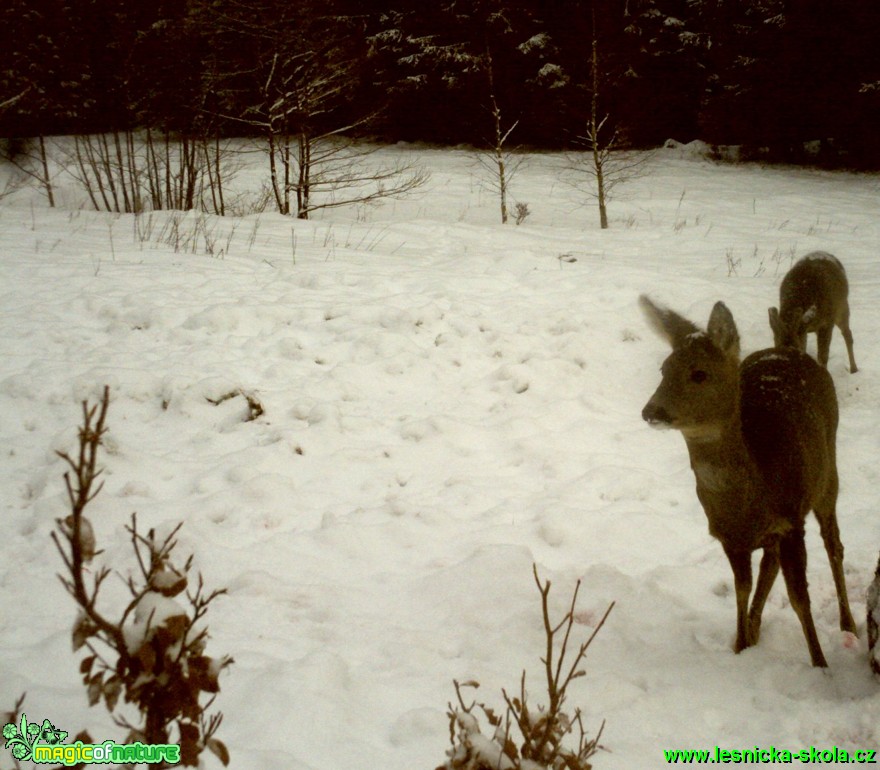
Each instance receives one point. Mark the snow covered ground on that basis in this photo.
(447, 400)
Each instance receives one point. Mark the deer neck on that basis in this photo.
(718, 456)
(728, 486)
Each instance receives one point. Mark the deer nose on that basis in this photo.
(655, 415)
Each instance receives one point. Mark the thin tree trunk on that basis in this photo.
(213, 181)
(304, 184)
(123, 176)
(502, 183)
(133, 173)
(84, 173)
(219, 176)
(153, 178)
(273, 173)
(286, 159)
(600, 189)
(98, 167)
(499, 138)
(192, 173)
(598, 159)
(169, 173)
(106, 162)
(47, 182)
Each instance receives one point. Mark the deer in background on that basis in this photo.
(761, 438)
(813, 298)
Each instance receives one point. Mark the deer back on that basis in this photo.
(789, 416)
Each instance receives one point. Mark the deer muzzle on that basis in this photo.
(656, 416)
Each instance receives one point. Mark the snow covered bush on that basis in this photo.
(541, 729)
(153, 654)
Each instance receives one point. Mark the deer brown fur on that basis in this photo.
(813, 297)
(761, 438)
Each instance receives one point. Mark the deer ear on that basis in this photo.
(775, 324)
(667, 323)
(722, 330)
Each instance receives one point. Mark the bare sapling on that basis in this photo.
(529, 737)
(813, 297)
(607, 162)
(499, 162)
(761, 436)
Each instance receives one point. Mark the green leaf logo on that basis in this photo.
(51, 735)
(17, 738)
(22, 738)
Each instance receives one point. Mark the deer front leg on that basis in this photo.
(823, 344)
(741, 564)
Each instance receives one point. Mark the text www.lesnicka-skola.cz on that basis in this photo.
(769, 756)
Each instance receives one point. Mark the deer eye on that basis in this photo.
(698, 376)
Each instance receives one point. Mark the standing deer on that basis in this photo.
(761, 439)
(813, 298)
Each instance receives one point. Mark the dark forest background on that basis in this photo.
(770, 75)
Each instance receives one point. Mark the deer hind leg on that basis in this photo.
(827, 517)
(793, 560)
(741, 564)
(823, 344)
(766, 577)
(848, 339)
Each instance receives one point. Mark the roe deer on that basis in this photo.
(761, 440)
(813, 298)
(872, 603)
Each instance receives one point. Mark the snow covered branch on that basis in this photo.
(154, 653)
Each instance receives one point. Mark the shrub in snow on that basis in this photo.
(153, 653)
(540, 730)
(520, 212)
